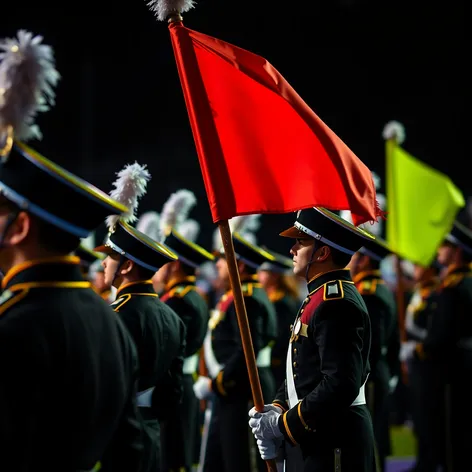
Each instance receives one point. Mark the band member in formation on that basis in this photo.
(228, 445)
(68, 365)
(424, 377)
(159, 334)
(178, 279)
(321, 407)
(448, 342)
(381, 305)
(277, 279)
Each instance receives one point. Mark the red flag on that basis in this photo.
(261, 148)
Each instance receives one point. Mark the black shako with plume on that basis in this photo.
(243, 230)
(34, 183)
(123, 238)
(175, 230)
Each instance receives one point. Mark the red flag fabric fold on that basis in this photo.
(261, 148)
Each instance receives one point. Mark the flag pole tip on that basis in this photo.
(170, 10)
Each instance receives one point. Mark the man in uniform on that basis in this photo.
(159, 334)
(65, 401)
(59, 386)
(181, 294)
(87, 258)
(425, 380)
(448, 342)
(381, 305)
(321, 406)
(227, 449)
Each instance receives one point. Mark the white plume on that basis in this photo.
(163, 8)
(245, 224)
(394, 130)
(130, 186)
(89, 241)
(217, 243)
(27, 80)
(377, 180)
(176, 209)
(149, 224)
(189, 229)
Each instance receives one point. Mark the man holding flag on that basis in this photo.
(243, 156)
(321, 406)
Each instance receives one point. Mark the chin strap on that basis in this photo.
(120, 263)
(315, 248)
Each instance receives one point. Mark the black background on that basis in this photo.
(357, 63)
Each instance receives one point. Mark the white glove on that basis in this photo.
(202, 388)
(265, 425)
(407, 350)
(392, 383)
(268, 448)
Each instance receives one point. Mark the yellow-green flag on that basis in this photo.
(422, 205)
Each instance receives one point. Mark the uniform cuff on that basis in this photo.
(293, 426)
(283, 405)
(217, 385)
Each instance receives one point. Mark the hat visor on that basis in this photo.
(295, 233)
(104, 249)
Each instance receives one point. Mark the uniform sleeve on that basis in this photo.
(393, 348)
(187, 314)
(22, 362)
(338, 332)
(441, 332)
(233, 377)
(125, 451)
(378, 324)
(168, 397)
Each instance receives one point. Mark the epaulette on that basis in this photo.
(247, 289)
(119, 302)
(276, 295)
(453, 279)
(9, 298)
(333, 290)
(367, 287)
(180, 291)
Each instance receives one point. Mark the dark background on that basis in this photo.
(357, 63)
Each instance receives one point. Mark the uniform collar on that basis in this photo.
(457, 269)
(247, 279)
(188, 280)
(366, 275)
(140, 286)
(321, 279)
(45, 272)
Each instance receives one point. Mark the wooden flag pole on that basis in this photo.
(243, 323)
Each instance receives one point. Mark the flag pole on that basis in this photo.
(206, 137)
(241, 313)
(400, 286)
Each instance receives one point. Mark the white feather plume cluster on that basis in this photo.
(245, 225)
(176, 209)
(130, 186)
(89, 241)
(163, 8)
(27, 80)
(149, 224)
(377, 180)
(189, 229)
(394, 130)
